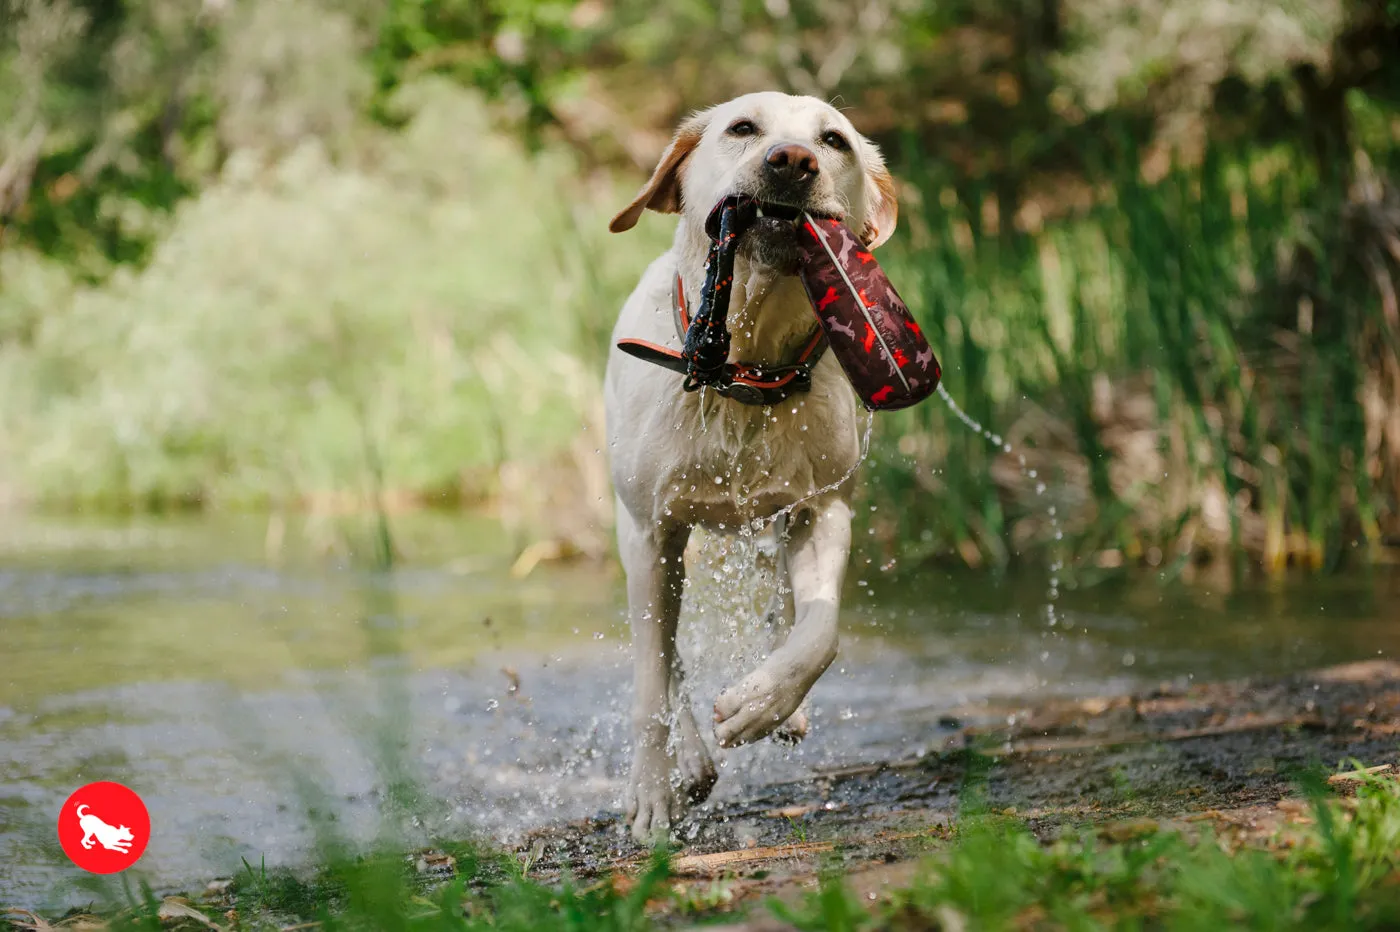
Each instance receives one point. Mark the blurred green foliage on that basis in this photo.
(289, 308)
(248, 247)
(1182, 370)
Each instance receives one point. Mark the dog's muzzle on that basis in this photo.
(860, 317)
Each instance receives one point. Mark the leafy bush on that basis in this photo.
(298, 310)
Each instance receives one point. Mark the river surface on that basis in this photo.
(238, 674)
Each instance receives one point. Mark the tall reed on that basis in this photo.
(1193, 366)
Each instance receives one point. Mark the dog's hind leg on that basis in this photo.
(816, 555)
(653, 559)
(778, 621)
(693, 762)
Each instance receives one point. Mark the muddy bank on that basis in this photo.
(1177, 756)
(1226, 753)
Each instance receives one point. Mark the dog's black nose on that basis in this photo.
(792, 163)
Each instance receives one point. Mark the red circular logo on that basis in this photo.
(104, 828)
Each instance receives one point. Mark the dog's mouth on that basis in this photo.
(768, 230)
(768, 210)
(772, 241)
(755, 214)
(772, 210)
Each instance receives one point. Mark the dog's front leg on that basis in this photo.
(653, 559)
(817, 551)
(779, 620)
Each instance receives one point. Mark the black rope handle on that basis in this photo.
(707, 339)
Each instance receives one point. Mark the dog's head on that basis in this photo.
(124, 834)
(791, 154)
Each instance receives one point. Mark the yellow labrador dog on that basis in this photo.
(680, 459)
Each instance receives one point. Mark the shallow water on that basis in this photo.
(235, 675)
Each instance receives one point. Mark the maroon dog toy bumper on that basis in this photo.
(872, 333)
(860, 316)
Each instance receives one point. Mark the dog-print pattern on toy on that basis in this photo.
(871, 332)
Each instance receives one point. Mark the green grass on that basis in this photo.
(1340, 869)
(1342, 873)
(387, 892)
(384, 892)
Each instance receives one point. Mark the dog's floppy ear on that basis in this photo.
(662, 193)
(881, 207)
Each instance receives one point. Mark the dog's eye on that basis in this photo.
(742, 128)
(836, 141)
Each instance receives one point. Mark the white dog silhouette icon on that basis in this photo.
(113, 838)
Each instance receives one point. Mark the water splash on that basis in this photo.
(732, 606)
(733, 601)
(1056, 564)
(968, 420)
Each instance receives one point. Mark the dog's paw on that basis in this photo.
(650, 814)
(695, 768)
(652, 804)
(752, 710)
(697, 772)
(794, 729)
